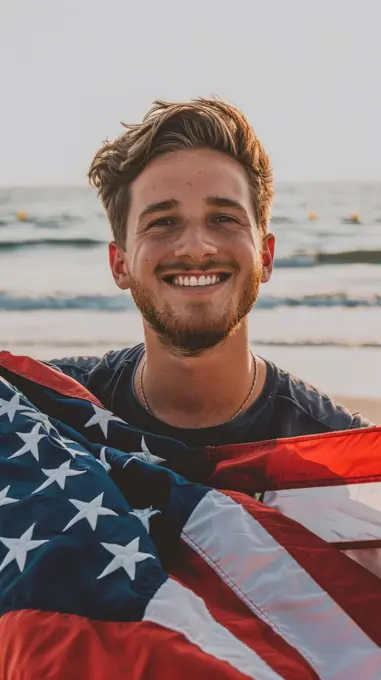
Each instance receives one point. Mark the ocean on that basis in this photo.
(319, 316)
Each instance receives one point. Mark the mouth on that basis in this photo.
(197, 280)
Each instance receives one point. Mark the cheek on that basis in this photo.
(143, 259)
(247, 251)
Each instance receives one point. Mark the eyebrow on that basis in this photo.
(161, 206)
(169, 204)
(224, 202)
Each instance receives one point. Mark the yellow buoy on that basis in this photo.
(312, 216)
(21, 216)
(352, 219)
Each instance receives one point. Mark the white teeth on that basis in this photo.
(196, 281)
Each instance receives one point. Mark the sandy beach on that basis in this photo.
(358, 389)
(371, 408)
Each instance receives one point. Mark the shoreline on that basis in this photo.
(350, 376)
(369, 408)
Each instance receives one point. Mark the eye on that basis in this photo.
(226, 219)
(162, 222)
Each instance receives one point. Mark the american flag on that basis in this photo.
(125, 555)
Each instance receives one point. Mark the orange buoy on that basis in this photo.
(312, 216)
(21, 216)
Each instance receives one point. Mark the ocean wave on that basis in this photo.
(55, 221)
(112, 303)
(119, 303)
(280, 219)
(315, 259)
(371, 344)
(105, 344)
(295, 259)
(52, 222)
(51, 242)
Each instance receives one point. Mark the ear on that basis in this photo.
(268, 251)
(118, 265)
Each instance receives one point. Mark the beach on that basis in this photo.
(318, 318)
(371, 408)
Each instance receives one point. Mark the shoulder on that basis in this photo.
(321, 412)
(83, 368)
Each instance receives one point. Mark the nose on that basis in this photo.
(195, 244)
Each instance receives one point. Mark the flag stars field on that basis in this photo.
(32, 440)
(90, 511)
(102, 418)
(59, 475)
(18, 548)
(12, 406)
(125, 557)
(4, 498)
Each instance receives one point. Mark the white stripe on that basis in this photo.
(349, 512)
(179, 609)
(370, 558)
(276, 588)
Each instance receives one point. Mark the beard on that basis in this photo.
(200, 327)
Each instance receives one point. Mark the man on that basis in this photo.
(188, 195)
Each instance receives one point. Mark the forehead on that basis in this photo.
(190, 174)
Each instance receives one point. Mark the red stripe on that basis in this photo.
(232, 613)
(353, 588)
(46, 376)
(319, 460)
(357, 545)
(37, 644)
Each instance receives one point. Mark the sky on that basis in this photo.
(305, 72)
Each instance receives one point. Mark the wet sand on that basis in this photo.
(371, 408)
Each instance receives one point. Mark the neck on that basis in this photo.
(201, 391)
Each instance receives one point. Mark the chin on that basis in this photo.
(191, 340)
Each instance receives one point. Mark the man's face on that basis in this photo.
(194, 259)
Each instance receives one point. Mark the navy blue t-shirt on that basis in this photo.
(287, 406)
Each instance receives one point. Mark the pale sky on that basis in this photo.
(307, 73)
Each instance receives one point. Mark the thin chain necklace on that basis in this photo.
(252, 388)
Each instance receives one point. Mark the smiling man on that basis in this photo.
(188, 195)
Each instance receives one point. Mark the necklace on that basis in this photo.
(241, 408)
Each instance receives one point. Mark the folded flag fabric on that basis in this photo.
(126, 555)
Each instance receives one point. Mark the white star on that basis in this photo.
(146, 455)
(102, 459)
(41, 418)
(19, 547)
(144, 515)
(31, 440)
(10, 407)
(4, 499)
(89, 511)
(102, 418)
(59, 475)
(126, 557)
(73, 452)
(62, 441)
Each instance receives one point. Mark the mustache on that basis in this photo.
(162, 269)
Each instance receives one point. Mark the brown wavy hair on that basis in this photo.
(199, 123)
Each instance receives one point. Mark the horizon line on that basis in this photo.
(82, 185)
